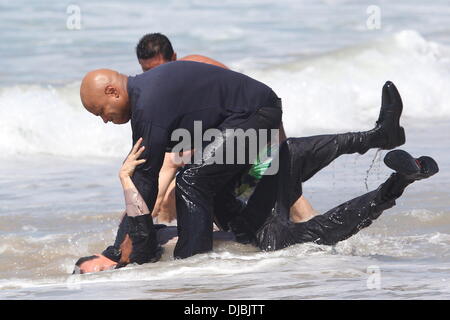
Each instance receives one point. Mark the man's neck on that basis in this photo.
(123, 79)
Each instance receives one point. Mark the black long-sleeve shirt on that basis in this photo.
(176, 94)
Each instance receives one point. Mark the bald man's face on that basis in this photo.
(104, 94)
(109, 107)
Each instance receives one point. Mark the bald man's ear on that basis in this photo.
(111, 91)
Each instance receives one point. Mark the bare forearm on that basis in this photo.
(139, 244)
(135, 204)
(168, 209)
(166, 177)
(166, 174)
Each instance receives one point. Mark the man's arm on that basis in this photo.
(165, 202)
(168, 208)
(302, 211)
(166, 176)
(145, 176)
(121, 251)
(145, 180)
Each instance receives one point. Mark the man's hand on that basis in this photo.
(131, 161)
(176, 160)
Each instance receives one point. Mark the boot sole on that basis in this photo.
(401, 162)
(417, 169)
(429, 166)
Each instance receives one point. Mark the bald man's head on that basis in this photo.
(104, 93)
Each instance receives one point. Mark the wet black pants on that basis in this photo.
(267, 211)
(205, 188)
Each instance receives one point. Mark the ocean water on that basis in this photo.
(60, 198)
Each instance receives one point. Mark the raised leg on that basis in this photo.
(350, 217)
(301, 158)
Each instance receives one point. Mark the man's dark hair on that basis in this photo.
(80, 262)
(153, 44)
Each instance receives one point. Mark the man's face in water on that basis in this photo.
(147, 64)
(100, 263)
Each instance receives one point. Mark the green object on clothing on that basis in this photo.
(259, 167)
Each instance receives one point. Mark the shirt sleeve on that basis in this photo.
(149, 252)
(113, 252)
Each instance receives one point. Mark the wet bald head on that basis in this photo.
(104, 93)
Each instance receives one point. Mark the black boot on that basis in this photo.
(408, 169)
(392, 188)
(387, 133)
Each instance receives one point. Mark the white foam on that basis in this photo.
(439, 239)
(37, 120)
(424, 215)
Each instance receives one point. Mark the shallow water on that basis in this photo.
(47, 223)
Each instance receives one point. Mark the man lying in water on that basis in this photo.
(264, 220)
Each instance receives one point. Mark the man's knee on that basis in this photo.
(194, 237)
(275, 234)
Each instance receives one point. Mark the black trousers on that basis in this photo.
(204, 191)
(267, 210)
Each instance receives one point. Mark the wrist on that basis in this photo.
(126, 182)
(123, 176)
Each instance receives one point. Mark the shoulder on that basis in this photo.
(203, 59)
